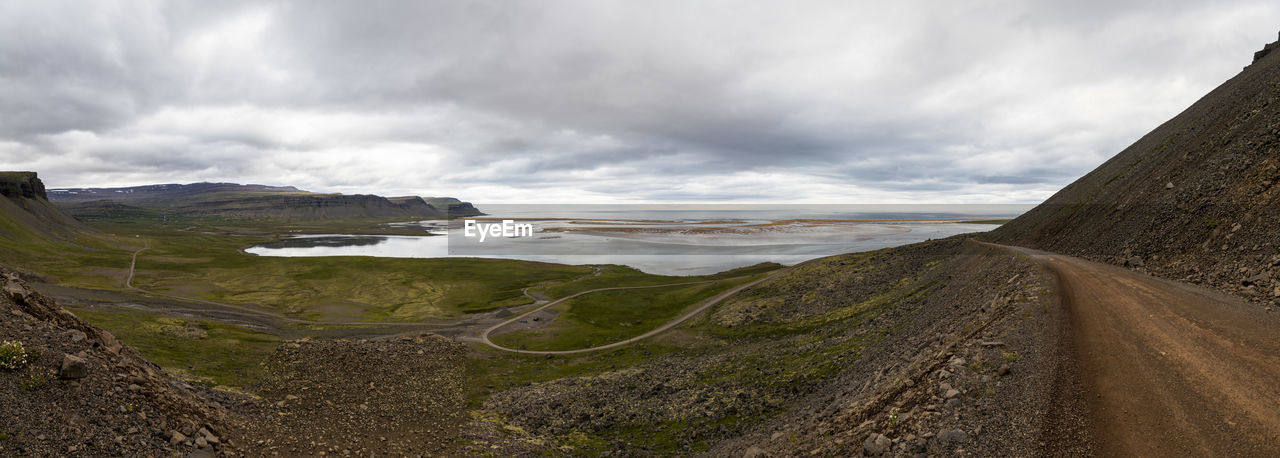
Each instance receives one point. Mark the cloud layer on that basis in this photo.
(589, 101)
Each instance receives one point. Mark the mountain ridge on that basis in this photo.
(233, 201)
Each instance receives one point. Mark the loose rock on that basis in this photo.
(953, 436)
(73, 367)
(876, 444)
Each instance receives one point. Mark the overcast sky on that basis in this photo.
(598, 101)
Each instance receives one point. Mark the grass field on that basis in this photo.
(615, 276)
(198, 350)
(610, 316)
(213, 267)
(210, 265)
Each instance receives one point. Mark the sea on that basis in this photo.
(694, 239)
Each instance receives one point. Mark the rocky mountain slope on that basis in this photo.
(1197, 199)
(945, 348)
(247, 202)
(70, 389)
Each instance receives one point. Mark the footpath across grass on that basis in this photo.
(609, 316)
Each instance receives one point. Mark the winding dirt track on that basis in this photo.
(1170, 369)
(707, 303)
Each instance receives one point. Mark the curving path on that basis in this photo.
(484, 337)
(1170, 369)
(540, 302)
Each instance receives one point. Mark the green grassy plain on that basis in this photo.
(611, 276)
(203, 351)
(209, 263)
(610, 316)
(213, 267)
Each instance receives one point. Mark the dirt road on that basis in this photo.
(1170, 369)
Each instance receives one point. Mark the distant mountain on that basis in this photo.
(162, 192)
(230, 201)
(1197, 199)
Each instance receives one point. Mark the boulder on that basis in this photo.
(73, 367)
(1259, 279)
(876, 444)
(953, 436)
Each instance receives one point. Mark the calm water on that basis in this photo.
(676, 240)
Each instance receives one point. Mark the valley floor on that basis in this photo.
(949, 347)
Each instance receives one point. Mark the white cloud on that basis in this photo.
(831, 101)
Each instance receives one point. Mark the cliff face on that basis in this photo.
(1197, 199)
(27, 218)
(456, 208)
(21, 185)
(310, 207)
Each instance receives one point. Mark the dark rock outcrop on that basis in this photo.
(21, 185)
(1266, 49)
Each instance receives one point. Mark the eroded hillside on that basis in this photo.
(1196, 200)
(907, 350)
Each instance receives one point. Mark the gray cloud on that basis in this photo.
(607, 100)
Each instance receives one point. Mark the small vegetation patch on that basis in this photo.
(13, 355)
(35, 379)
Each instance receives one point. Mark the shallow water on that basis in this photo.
(660, 242)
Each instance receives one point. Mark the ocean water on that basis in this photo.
(668, 239)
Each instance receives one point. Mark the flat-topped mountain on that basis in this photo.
(1197, 199)
(26, 216)
(231, 201)
(161, 192)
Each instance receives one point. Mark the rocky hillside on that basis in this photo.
(401, 397)
(70, 389)
(1197, 199)
(229, 201)
(945, 348)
